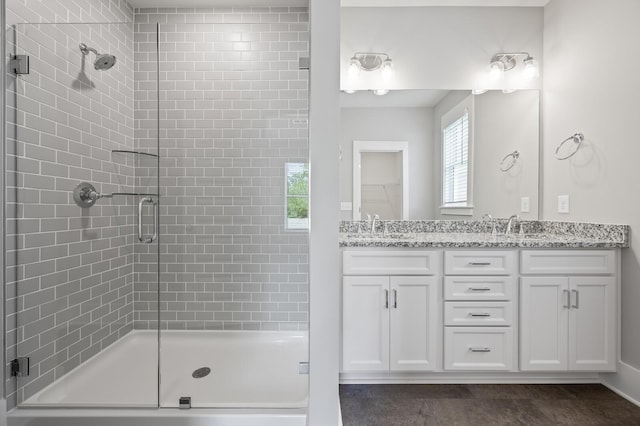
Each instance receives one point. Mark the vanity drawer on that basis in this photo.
(478, 313)
(478, 348)
(479, 288)
(479, 262)
(568, 262)
(391, 262)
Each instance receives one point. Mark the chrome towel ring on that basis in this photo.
(577, 139)
(509, 161)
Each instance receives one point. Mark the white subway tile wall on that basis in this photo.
(233, 109)
(69, 271)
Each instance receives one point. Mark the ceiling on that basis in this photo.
(344, 3)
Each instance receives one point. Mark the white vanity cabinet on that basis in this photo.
(479, 319)
(391, 310)
(568, 308)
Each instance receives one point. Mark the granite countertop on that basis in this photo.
(475, 234)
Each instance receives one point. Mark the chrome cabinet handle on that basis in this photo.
(479, 289)
(386, 299)
(479, 349)
(576, 305)
(479, 263)
(395, 299)
(482, 315)
(565, 295)
(141, 237)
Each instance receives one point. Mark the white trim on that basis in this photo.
(422, 3)
(379, 146)
(447, 377)
(456, 211)
(625, 382)
(466, 105)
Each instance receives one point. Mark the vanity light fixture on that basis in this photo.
(505, 61)
(368, 61)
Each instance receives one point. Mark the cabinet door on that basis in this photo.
(544, 321)
(365, 323)
(592, 323)
(414, 309)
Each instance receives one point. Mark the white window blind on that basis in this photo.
(456, 161)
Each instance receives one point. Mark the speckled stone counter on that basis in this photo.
(461, 234)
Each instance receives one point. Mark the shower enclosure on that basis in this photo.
(157, 211)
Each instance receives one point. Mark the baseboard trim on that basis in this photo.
(625, 382)
(470, 378)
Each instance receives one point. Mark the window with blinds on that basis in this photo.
(455, 167)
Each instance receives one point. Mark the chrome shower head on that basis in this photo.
(103, 61)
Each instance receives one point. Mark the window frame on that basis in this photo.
(287, 221)
(466, 106)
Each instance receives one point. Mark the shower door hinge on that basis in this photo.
(303, 368)
(303, 63)
(20, 367)
(20, 64)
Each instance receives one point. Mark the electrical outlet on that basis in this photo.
(346, 206)
(563, 204)
(524, 205)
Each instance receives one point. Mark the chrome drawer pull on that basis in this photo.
(395, 299)
(471, 314)
(479, 263)
(479, 289)
(386, 299)
(565, 294)
(480, 349)
(575, 305)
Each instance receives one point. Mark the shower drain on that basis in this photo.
(201, 372)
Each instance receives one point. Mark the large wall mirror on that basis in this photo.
(468, 155)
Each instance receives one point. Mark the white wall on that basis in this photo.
(504, 123)
(592, 85)
(324, 281)
(414, 125)
(441, 47)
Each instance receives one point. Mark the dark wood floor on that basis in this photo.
(451, 405)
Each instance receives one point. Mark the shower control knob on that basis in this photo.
(85, 195)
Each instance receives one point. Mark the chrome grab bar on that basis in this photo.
(145, 238)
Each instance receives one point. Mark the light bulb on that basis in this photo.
(496, 72)
(380, 92)
(350, 91)
(530, 68)
(354, 68)
(479, 91)
(507, 91)
(387, 70)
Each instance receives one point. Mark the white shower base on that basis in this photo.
(248, 370)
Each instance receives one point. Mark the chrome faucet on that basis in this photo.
(488, 217)
(510, 222)
(373, 223)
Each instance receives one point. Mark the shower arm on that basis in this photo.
(86, 49)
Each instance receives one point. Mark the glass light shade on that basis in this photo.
(530, 69)
(350, 91)
(496, 71)
(380, 92)
(387, 70)
(354, 68)
(508, 90)
(479, 91)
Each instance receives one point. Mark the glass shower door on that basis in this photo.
(78, 165)
(234, 217)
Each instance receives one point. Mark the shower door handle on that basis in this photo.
(145, 238)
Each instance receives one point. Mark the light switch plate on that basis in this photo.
(563, 204)
(524, 205)
(346, 205)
